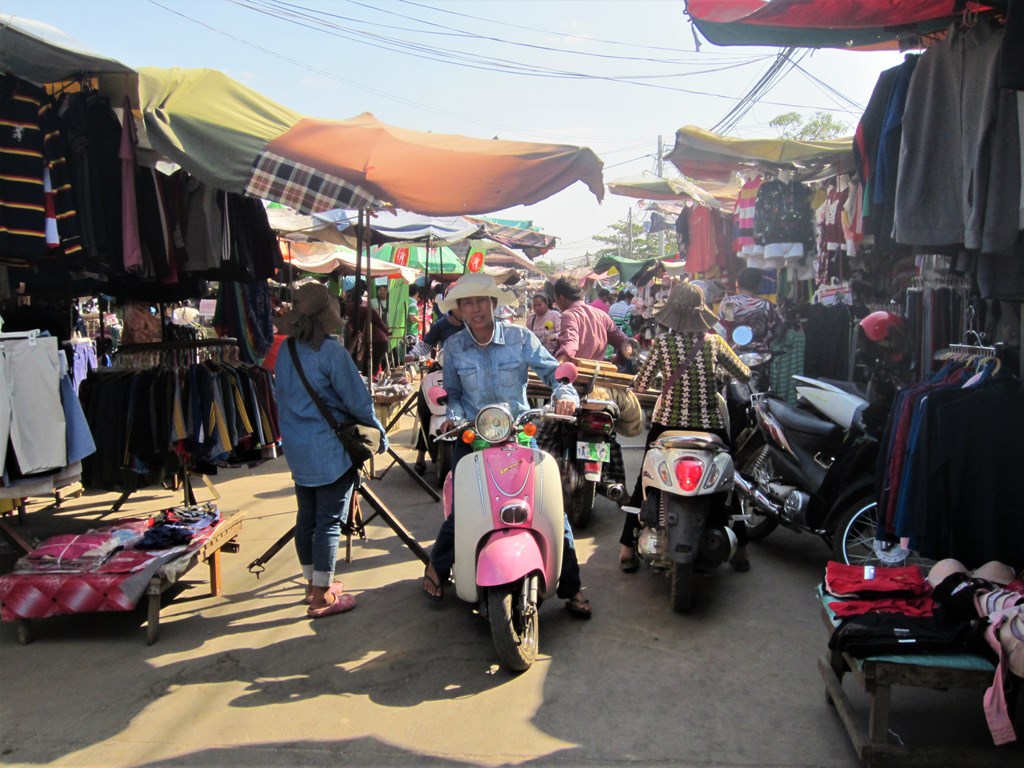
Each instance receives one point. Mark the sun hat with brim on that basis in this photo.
(314, 315)
(475, 284)
(684, 311)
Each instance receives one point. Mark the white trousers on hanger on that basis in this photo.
(31, 397)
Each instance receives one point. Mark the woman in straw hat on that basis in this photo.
(321, 468)
(700, 357)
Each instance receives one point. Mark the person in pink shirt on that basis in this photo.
(586, 331)
(601, 302)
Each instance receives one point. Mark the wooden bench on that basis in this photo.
(877, 676)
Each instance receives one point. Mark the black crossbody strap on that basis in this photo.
(317, 400)
(698, 345)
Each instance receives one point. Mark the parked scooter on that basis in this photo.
(432, 375)
(508, 552)
(686, 475)
(811, 468)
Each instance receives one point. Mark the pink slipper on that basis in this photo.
(336, 589)
(341, 604)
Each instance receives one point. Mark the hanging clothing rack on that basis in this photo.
(176, 354)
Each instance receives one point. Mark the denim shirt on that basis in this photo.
(476, 376)
(314, 454)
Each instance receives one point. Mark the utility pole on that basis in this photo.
(629, 234)
(661, 170)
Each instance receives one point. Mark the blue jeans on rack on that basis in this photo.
(323, 509)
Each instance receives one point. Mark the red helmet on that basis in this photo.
(878, 325)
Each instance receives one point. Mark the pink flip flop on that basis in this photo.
(341, 604)
(336, 589)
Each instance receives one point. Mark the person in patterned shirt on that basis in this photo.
(702, 359)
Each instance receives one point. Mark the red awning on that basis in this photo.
(821, 23)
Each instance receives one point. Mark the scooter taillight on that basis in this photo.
(688, 473)
(595, 421)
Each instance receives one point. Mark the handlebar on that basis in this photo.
(547, 413)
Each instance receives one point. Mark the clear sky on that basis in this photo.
(613, 75)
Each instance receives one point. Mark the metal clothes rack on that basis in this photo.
(175, 354)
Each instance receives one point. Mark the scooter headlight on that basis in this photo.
(494, 424)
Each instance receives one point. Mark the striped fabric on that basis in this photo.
(303, 187)
(692, 402)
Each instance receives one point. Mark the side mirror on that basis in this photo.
(566, 373)
(437, 396)
(742, 335)
(629, 349)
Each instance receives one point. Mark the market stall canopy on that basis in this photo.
(495, 254)
(404, 226)
(649, 186)
(851, 23)
(233, 138)
(516, 234)
(705, 155)
(440, 260)
(329, 259)
(36, 51)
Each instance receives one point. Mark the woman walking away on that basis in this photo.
(321, 468)
(691, 359)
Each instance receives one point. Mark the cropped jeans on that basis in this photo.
(323, 509)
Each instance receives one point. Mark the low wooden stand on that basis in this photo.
(224, 539)
(877, 677)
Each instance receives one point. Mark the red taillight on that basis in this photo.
(688, 473)
(599, 422)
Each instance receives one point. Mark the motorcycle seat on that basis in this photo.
(793, 418)
(684, 438)
(601, 405)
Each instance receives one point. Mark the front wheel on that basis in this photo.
(515, 635)
(682, 587)
(758, 525)
(444, 461)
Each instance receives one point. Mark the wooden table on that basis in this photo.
(878, 676)
(223, 539)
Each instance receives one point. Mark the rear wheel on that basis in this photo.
(581, 503)
(682, 587)
(758, 525)
(515, 636)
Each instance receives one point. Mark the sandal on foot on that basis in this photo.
(431, 588)
(341, 604)
(630, 564)
(336, 588)
(581, 609)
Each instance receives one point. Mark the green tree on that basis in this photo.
(820, 125)
(640, 246)
(547, 267)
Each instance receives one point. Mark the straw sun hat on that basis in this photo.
(684, 311)
(475, 284)
(314, 315)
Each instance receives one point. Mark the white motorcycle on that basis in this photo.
(686, 476)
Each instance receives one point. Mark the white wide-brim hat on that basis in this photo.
(475, 284)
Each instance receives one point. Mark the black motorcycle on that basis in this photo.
(811, 467)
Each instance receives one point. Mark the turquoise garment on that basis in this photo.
(476, 376)
(315, 455)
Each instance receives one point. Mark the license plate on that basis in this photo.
(594, 451)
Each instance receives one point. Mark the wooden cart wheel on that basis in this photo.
(24, 631)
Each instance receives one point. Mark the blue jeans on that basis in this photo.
(442, 555)
(323, 509)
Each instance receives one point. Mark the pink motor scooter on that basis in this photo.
(510, 523)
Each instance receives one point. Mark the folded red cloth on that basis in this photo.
(844, 580)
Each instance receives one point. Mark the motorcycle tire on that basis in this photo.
(681, 595)
(853, 542)
(760, 525)
(515, 636)
(581, 503)
(444, 462)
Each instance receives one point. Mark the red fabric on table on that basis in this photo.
(844, 580)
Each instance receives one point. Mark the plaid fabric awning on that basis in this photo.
(304, 188)
(514, 237)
